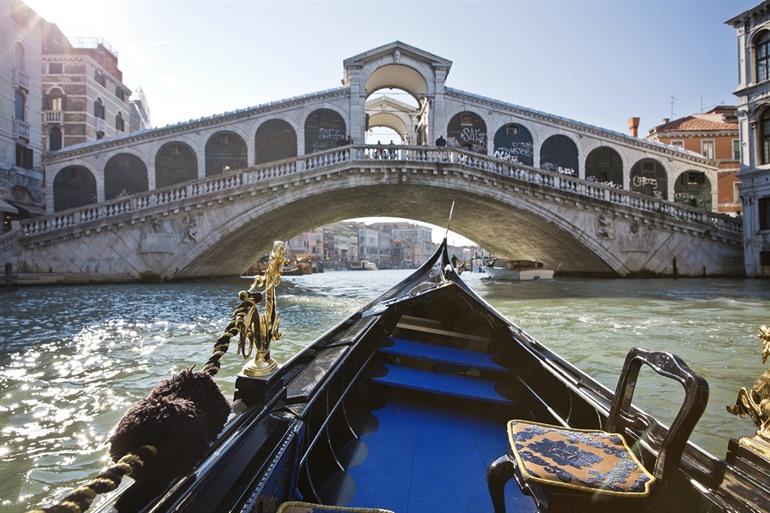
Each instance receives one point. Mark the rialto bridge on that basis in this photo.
(204, 197)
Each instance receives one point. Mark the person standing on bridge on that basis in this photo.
(441, 142)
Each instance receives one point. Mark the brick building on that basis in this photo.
(714, 134)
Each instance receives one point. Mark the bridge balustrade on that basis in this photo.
(334, 157)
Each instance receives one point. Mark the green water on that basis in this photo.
(72, 359)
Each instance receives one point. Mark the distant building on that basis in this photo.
(21, 177)
(310, 243)
(85, 98)
(753, 31)
(420, 235)
(369, 244)
(139, 112)
(714, 134)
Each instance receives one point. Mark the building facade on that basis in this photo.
(84, 98)
(753, 32)
(714, 134)
(139, 115)
(21, 178)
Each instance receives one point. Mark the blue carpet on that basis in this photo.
(443, 354)
(428, 457)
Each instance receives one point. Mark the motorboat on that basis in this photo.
(517, 270)
(362, 265)
(428, 399)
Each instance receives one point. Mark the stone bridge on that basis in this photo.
(218, 225)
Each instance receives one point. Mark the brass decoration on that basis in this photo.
(257, 332)
(756, 403)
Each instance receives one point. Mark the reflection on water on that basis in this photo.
(74, 358)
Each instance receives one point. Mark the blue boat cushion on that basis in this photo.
(307, 507)
(585, 460)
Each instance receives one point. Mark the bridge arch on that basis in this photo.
(398, 76)
(693, 188)
(225, 150)
(73, 186)
(604, 165)
(649, 177)
(325, 128)
(514, 141)
(559, 153)
(175, 162)
(274, 139)
(467, 130)
(124, 173)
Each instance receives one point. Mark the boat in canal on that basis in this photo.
(362, 265)
(517, 270)
(427, 399)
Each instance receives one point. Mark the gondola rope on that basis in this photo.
(81, 498)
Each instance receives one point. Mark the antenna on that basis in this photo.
(701, 103)
(449, 221)
(672, 101)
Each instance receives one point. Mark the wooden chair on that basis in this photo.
(571, 470)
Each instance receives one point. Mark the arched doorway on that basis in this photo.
(275, 140)
(54, 138)
(175, 163)
(604, 166)
(514, 142)
(648, 176)
(467, 131)
(406, 86)
(73, 186)
(324, 129)
(124, 174)
(560, 155)
(693, 188)
(225, 151)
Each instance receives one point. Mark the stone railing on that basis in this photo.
(368, 154)
(21, 128)
(52, 116)
(21, 79)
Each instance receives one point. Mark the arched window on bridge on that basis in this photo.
(225, 151)
(54, 138)
(467, 131)
(560, 155)
(648, 176)
(604, 166)
(124, 174)
(73, 186)
(175, 163)
(693, 188)
(514, 142)
(275, 140)
(324, 129)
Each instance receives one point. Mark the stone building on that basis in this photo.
(21, 178)
(84, 97)
(422, 236)
(369, 244)
(714, 134)
(753, 32)
(139, 115)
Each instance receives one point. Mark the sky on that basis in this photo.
(599, 62)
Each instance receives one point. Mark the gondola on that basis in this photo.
(429, 400)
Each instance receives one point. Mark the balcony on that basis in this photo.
(52, 117)
(101, 125)
(21, 79)
(21, 129)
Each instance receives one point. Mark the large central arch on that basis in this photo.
(511, 226)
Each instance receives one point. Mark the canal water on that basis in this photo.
(73, 359)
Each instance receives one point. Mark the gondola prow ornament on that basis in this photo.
(257, 332)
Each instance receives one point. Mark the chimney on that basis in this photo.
(633, 126)
(665, 120)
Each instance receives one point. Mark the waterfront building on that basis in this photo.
(85, 98)
(753, 33)
(369, 244)
(310, 243)
(21, 177)
(714, 134)
(422, 236)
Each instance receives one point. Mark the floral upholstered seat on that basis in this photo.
(591, 461)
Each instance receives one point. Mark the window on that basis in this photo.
(24, 156)
(764, 258)
(21, 104)
(736, 192)
(120, 93)
(707, 149)
(99, 110)
(764, 213)
(511, 130)
(99, 77)
(120, 124)
(18, 57)
(55, 68)
(54, 139)
(764, 134)
(677, 144)
(736, 149)
(763, 56)
(54, 100)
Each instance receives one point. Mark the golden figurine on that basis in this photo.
(756, 403)
(257, 332)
